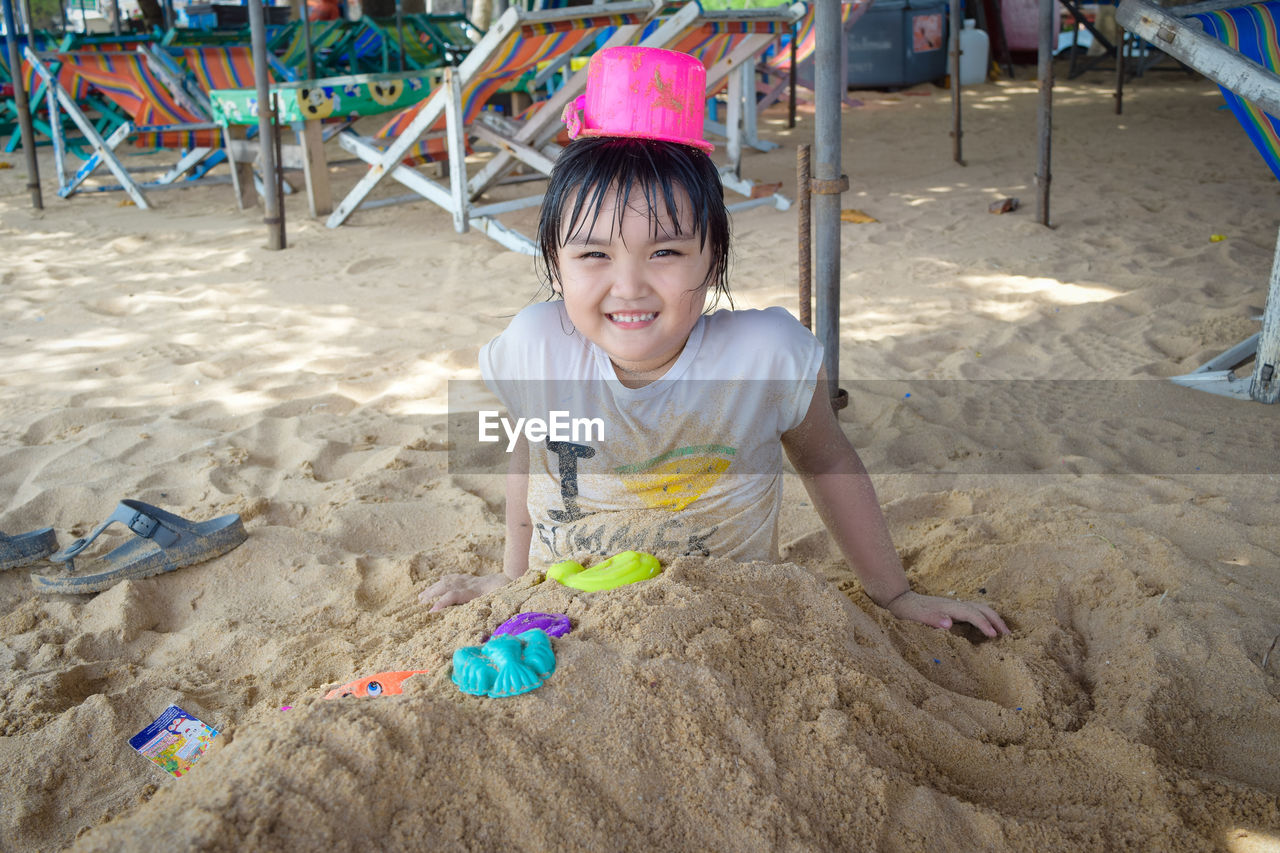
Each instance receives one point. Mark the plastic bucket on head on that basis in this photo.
(642, 93)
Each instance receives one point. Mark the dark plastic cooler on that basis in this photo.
(898, 43)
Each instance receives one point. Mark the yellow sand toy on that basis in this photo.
(618, 570)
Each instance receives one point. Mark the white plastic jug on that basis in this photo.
(974, 45)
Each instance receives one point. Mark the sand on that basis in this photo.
(1124, 527)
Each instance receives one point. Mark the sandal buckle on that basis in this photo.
(143, 525)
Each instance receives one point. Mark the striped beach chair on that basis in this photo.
(1251, 30)
(730, 42)
(775, 70)
(516, 42)
(1238, 49)
(157, 118)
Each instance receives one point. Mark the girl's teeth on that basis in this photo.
(632, 318)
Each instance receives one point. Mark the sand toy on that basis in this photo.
(618, 570)
(553, 624)
(378, 684)
(507, 665)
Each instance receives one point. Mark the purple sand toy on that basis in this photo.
(554, 624)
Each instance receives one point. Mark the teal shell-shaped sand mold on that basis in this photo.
(505, 666)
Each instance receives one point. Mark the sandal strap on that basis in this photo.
(143, 519)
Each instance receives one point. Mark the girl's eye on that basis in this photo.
(592, 255)
(666, 253)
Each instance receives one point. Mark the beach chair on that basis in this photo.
(774, 70)
(158, 117)
(290, 44)
(1236, 47)
(453, 35)
(729, 42)
(106, 116)
(516, 42)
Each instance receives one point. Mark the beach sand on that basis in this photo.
(1007, 395)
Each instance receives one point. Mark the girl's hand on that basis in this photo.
(944, 612)
(459, 589)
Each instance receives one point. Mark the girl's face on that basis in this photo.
(636, 291)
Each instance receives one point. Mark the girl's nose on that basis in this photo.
(629, 282)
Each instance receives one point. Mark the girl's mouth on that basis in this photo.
(633, 319)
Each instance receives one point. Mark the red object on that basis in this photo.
(323, 10)
(6, 90)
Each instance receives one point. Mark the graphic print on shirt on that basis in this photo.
(677, 478)
(670, 481)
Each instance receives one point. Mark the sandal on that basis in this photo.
(166, 542)
(27, 548)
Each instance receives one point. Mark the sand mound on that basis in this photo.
(750, 707)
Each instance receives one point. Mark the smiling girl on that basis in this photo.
(698, 408)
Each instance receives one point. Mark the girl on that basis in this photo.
(694, 409)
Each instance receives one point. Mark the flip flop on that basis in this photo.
(166, 542)
(27, 548)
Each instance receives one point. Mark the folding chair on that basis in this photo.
(158, 117)
(775, 70)
(729, 42)
(453, 35)
(1239, 51)
(290, 44)
(516, 42)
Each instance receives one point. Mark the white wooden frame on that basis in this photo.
(1231, 70)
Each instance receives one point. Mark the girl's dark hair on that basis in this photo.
(592, 167)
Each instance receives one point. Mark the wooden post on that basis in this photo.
(316, 169)
(241, 165)
(1120, 73)
(1045, 116)
(954, 52)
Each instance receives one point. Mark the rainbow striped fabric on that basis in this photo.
(523, 50)
(1251, 30)
(125, 79)
(229, 67)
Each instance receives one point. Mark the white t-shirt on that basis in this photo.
(689, 464)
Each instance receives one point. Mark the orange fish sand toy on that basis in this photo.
(378, 684)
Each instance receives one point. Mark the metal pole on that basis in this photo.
(24, 107)
(1045, 123)
(805, 265)
(791, 98)
(954, 52)
(266, 133)
(62, 17)
(827, 184)
(400, 30)
(115, 24)
(1120, 73)
(306, 36)
(278, 187)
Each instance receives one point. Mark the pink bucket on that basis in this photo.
(643, 93)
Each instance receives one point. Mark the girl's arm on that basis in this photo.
(460, 588)
(845, 498)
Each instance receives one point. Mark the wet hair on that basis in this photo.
(591, 168)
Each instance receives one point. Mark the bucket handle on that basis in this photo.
(572, 115)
